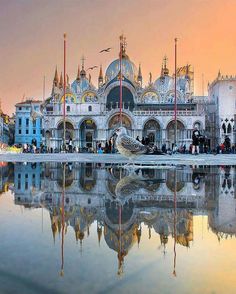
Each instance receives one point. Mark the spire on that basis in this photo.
(138, 234)
(61, 81)
(67, 80)
(120, 256)
(219, 74)
(99, 232)
(78, 74)
(149, 232)
(150, 78)
(140, 77)
(123, 45)
(164, 69)
(82, 72)
(100, 77)
(54, 231)
(56, 78)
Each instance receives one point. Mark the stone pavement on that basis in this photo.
(175, 159)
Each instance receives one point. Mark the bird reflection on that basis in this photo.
(129, 185)
(133, 183)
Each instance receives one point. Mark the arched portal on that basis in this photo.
(88, 177)
(152, 131)
(69, 134)
(47, 139)
(88, 134)
(224, 128)
(171, 133)
(170, 182)
(69, 130)
(113, 98)
(229, 129)
(69, 177)
(114, 123)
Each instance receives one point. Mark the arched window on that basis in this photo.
(68, 108)
(90, 108)
(197, 125)
(113, 98)
(229, 129)
(224, 128)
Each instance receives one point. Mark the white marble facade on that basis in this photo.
(148, 111)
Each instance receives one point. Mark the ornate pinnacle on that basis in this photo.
(82, 61)
(100, 73)
(56, 78)
(139, 71)
(100, 77)
(123, 45)
(61, 81)
(164, 70)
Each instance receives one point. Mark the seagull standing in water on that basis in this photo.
(128, 146)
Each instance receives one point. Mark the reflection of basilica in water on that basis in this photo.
(121, 204)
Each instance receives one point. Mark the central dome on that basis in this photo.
(129, 70)
(164, 83)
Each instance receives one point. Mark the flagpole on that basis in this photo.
(121, 39)
(64, 102)
(175, 108)
(63, 218)
(175, 220)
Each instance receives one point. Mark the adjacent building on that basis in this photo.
(4, 128)
(221, 109)
(27, 127)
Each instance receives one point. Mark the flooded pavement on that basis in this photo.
(100, 228)
(154, 160)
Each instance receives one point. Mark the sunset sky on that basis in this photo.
(31, 33)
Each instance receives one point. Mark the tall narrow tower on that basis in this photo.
(100, 77)
(140, 77)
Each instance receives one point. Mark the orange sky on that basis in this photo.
(31, 34)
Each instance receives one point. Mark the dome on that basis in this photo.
(82, 83)
(164, 83)
(129, 69)
(79, 86)
(183, 84)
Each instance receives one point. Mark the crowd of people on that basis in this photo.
(200, 144)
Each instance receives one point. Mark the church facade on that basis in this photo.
(92, 113)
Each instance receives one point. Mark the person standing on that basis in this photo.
(227, 144)
(195, 137)
(106, 147)
(110, 146)
(70, 145)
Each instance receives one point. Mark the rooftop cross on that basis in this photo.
(165, 59)
(82, 61)
(123, 42)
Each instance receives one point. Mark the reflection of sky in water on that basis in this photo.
(205, 250)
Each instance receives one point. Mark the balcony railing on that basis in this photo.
(165, 112)
(142, 112)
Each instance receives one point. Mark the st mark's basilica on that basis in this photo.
(148, 110)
